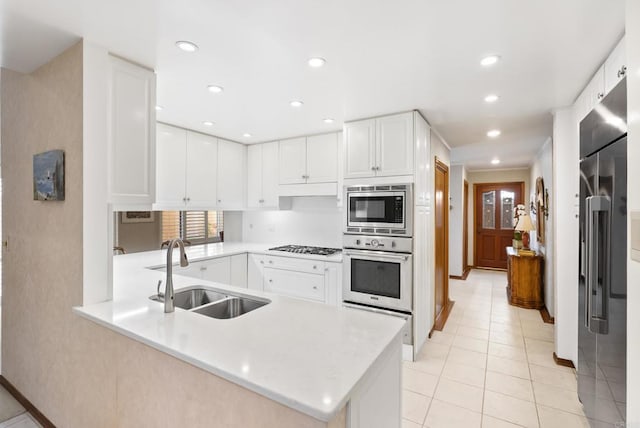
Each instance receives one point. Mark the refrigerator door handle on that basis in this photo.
(596, 207)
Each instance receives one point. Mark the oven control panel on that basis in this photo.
(378, 243)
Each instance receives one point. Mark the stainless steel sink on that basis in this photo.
(193, 297)
(231, 308)
(213, 302)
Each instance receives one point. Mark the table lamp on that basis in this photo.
(524, 225)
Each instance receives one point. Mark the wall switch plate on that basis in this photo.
(635, 235)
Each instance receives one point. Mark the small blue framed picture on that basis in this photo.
(48, 176)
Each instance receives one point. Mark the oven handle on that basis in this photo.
(376, 310)
(377, 255)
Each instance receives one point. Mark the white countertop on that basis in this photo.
(307, 356)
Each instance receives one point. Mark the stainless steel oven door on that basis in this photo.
(378, 278)
(377, 210)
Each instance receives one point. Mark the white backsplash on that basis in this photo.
(311, 221)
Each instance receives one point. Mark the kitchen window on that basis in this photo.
(197, 227)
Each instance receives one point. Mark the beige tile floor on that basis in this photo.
(492, 366)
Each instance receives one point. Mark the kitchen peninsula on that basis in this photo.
(337, 367)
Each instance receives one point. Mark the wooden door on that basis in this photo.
(465, 229)
(441, 232)
(494, 208)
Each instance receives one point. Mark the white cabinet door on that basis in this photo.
(254, 176)
(615, 67)
(322, 158)
(239, 270)
(293, 159)
(270, 175)
(394, 145)
(302, 285)
(217, 270)
(232, 159)
(359, 149)
(596, 88)
(132, 139)
(422, 161)
(171, 146)
(255, 270)
(202, 153)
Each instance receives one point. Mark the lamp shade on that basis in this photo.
(524, 223)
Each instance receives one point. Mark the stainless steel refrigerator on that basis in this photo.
(602, 340)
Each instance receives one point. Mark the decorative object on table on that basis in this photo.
(542, 208)
(48, 176)
(517, 235)
(524, 225)
(138, 217)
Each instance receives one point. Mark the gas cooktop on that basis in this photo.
(301, 249)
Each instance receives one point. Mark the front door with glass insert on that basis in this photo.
(494, 212)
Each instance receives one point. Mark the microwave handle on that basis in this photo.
(376, 254)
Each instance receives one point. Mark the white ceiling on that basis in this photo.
(383, 56)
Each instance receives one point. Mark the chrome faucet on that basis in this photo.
(168, 289)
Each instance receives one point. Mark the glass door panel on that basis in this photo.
(489, 210)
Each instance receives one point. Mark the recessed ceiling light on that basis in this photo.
(158, 108)
(186, 46)
(246, 135)
(495, 161)
(493, 133)
(207, 123)
(489, 60)
(327, 120)
(215, 89)
(296, 103)
(316, 62)
(491, 98)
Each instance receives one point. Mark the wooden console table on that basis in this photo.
(524, 280)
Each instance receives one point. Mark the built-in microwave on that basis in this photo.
(379, 210)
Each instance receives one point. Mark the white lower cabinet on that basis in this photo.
(300, 278)
(290, 283)
(216, 270)
(239, 270)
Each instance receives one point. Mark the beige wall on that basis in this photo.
(493, 176)
(78, 373)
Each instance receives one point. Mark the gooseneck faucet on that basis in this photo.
(168, 290)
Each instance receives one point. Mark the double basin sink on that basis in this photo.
(213, 302)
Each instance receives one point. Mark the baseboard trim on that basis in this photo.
(37, 414)
(546, 317)
(441, 320)
(462, 277)
(562, 362)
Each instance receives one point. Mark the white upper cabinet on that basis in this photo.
(394, 148)
(232, 159)
(359, 149)
(202, 161)
(293, 161)
(262, 175)
(322, 158)
(198, 172)
(422, 161)
(379, 147)
(132, 140)
(309, 161)
(615, 67)
(171, 147)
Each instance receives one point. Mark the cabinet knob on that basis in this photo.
(315, 287)
(315, 267)
(270, 262)
(184, 199)
(271, 280)
(261, 262)
(373, 168)
(203, 268)
(600, 95)
(261, 201)
(219, 201)
(622, 72)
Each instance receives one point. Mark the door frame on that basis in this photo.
(465, 230)
(440, 319)
(475, 212)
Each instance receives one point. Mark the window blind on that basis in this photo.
(197, 227)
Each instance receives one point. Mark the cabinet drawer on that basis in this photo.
(294, 284)
(290, 263)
